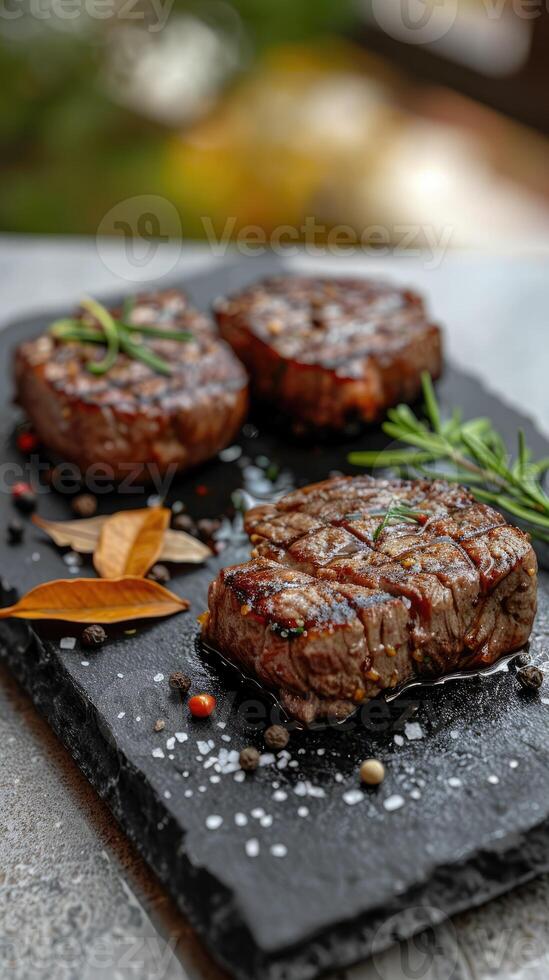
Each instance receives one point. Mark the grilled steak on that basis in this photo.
(330, 352)
(335, 607)
(132, 418)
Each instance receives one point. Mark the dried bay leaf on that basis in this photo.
(130, 542)
(83, 536)
(88, 600)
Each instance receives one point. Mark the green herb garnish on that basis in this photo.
(477, 453)
(397, 513)
(117, 335)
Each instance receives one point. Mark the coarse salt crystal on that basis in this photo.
(413, 731)
(280, 796)
(454, 782)
(158, 753)
(170, 743)
(303, 811)
(157, 678)
(181, 736)
(279, 850)
(252, 847)
(121, 714)
(240, 819)
(393, 803)
(214, 821)
(353, 796)
(67, 642)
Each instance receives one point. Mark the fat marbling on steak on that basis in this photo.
(329, 612)
(133, 417)
(331, 352)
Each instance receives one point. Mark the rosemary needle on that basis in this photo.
(477, 454)
(117, 335)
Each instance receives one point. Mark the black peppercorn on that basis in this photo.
(249, 759)
(530, 678)
(276, 738)
(160, 574)
(15, 532)
(93, 636)
(180, 682)
(84, 505)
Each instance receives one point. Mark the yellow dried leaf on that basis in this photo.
(130, 542)
(83, 536)
(181, 547)
(89, 600)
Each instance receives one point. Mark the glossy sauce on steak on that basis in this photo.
(331, 352)
(331, 610)
(132, 417)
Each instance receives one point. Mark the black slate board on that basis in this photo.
(348, 868)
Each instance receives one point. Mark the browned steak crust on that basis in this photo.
(133, 418)
(329, 352)
(328, 612)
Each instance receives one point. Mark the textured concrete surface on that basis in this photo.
(75, 900)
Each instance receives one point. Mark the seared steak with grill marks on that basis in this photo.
(132, 417)
(329, 352)
(331, 610)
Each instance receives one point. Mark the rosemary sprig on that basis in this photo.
(397, 513)
(118, 335)
(477, 454)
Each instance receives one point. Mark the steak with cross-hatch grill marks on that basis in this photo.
(330, 353)
(331, 610)
(132, 418)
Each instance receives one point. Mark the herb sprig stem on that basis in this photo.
(117, 335)
(477, 453)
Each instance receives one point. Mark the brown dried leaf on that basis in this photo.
(89, 600)
(83, 536)
(181, 547)
(130, 542)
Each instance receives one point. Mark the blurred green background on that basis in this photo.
(269, 111)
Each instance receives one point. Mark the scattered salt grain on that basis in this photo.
(230, 454)
(399, 740)
(213, 822)
(240, 819)
(454, 782)
(188, 793)
(413, 731)
(266, 821)
(353, 796)
(120, 676)
(67, 642)
(157, 678)
(170, 743)
(121, 714)
(494, 780)
(181, 736)
(393, 803)
(252, 847)
(303, 811)
(158, 753)
(167, 794)
(279, 850)
(415, 794)
(239, 776)
(226, 738)
(258, 813)
(215, 779)
(266, 759)
(454, 735)
(85, 663)
(205, 747)
(280, 796)
(513, 764)
(35, 556)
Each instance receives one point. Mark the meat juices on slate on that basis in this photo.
(330, 352)
(329, 612)
(132, 417)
